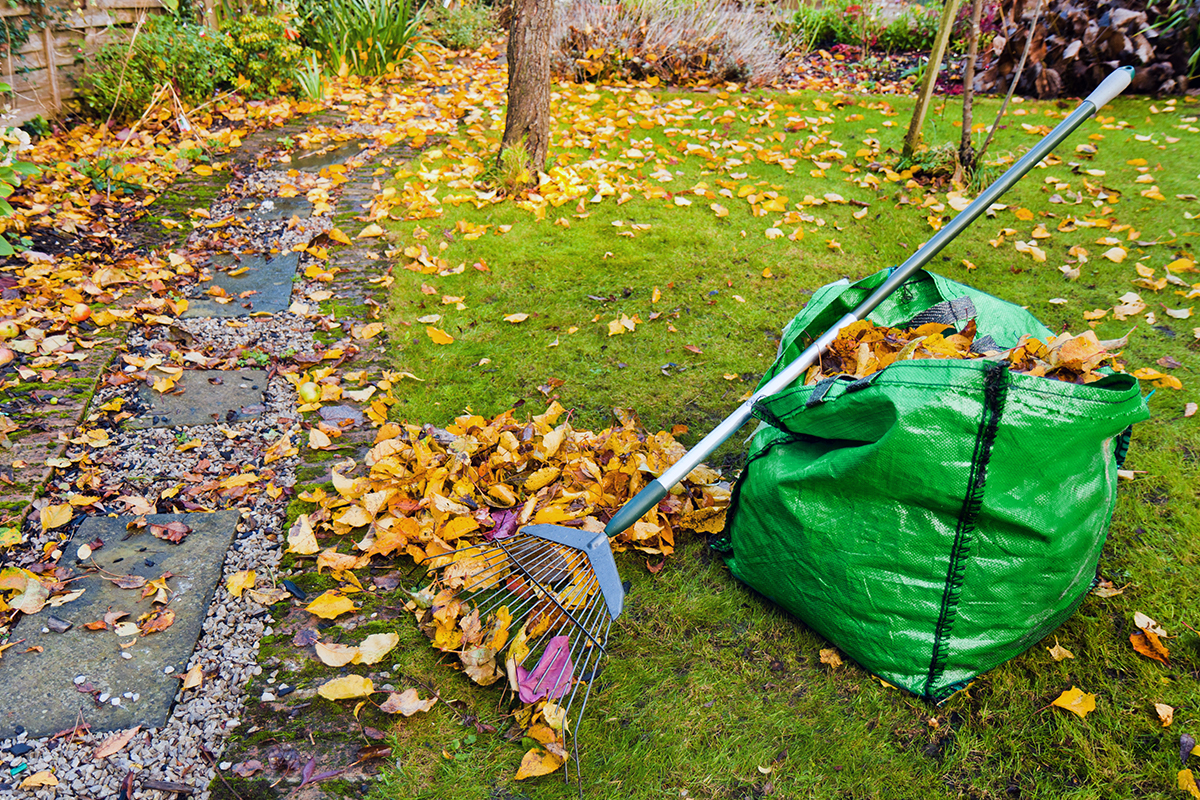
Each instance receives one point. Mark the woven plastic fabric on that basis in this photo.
(941, 516)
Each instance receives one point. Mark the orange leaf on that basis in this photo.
(438, 336)
(1148, 644)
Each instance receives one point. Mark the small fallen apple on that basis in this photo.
(9, 329)
(309, 392)
(80, 312)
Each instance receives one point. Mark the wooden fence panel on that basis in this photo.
(42, 70)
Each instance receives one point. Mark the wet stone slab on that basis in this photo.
(274, 209)
(40, 690)
(267, 277)
(209, 396)
(317, 160)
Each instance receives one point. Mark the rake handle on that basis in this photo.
(657, 489)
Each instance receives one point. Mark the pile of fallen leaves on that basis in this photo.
(863, 348)
(428, 493)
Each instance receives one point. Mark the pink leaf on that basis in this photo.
(552, 676)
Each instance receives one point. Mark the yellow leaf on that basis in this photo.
(719, 210)
(1159, 379)
(203, 169)
(370, 231)
(375, 647)
(1058, 652)
(1076, 701)
(830, 657)
(346, 687)
(1024, 214)
(438, 336)
(335, 655)
(318, 440)
(370, 330)
(46, 778)
(301, 538)
(538, 761)
(56, 516)
(331, 604)
(239, 582)
(339, 237)
(1165, 713)
(1116, 254)
(1184, 780)
(515, 318)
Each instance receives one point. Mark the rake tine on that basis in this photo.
(594, 658)
(590, 612)
(576, 623)
(505, 561)
(576, 598)
(525, 601)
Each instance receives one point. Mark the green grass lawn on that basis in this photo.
(710, 690)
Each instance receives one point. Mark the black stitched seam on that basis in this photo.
(995, 388)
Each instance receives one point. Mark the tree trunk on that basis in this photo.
(527, 120)
(913, 138)
(966, 149)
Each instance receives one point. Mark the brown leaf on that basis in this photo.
(407, 703)
(115, 743)
(128, 581)
(156, 621)
(171, 532)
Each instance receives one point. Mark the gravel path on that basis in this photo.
(183, 755)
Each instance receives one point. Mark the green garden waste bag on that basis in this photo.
(938, 517)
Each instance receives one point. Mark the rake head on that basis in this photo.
(554, 592)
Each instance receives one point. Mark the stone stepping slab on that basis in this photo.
(209, 397)
(268, 276)
(40, 690)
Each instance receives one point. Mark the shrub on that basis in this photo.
(914, 29)
(853, 23)
(122, 78)
(265, 51)
(463, 25)
(677, 42)
(365, 37)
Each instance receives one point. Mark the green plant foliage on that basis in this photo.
(266, 51)
(12, 171)
(310, 76)
(857, 23)
(365, 37)
(463, 25)
(123, 78)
